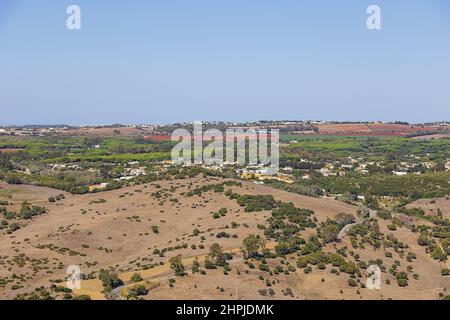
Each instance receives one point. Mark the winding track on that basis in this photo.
(346, 228)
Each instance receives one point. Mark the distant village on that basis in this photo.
(260, 173)
(291, 126)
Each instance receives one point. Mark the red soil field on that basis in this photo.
(373, 129)
(10, 150)
(168, 138)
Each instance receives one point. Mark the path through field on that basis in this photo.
(346, 228)
(94, 287)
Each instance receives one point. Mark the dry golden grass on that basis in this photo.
(118, 233)
(431, 206)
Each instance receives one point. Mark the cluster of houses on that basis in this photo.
(62, 166)
(132, 170)
(35, 131)
(260, 173)
(361, 166)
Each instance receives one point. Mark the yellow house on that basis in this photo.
(247, 175)
(279, 177)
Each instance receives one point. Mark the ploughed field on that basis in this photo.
(373, 129)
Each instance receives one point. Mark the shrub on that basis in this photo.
(195, 266)
(177, 265)
(352, 282)
(14, 226)
(402, 279)
(139, 290)
(209, 264)
(109, 280)
(264, 267)
(136, 277)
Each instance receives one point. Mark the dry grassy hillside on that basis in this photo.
(431, 206)
(125, 229)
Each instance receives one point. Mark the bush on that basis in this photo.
(352, 282)
(195, 266)
(27, 211)
(109, 280)
(264, 267)
(329, 231)
(136, 277)
(139, 290)
(344, 219)
(176, 264)
(256, 203)
(402, 279)
(14, 180)
(14, 226)
(209, 264)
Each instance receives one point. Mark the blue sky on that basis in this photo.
(235, 60)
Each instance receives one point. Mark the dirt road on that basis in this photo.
(346, 228)
(94, 287)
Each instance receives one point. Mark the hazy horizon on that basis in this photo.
(238, 61)
(204, 121)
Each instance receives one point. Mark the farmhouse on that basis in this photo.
(100, 186)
